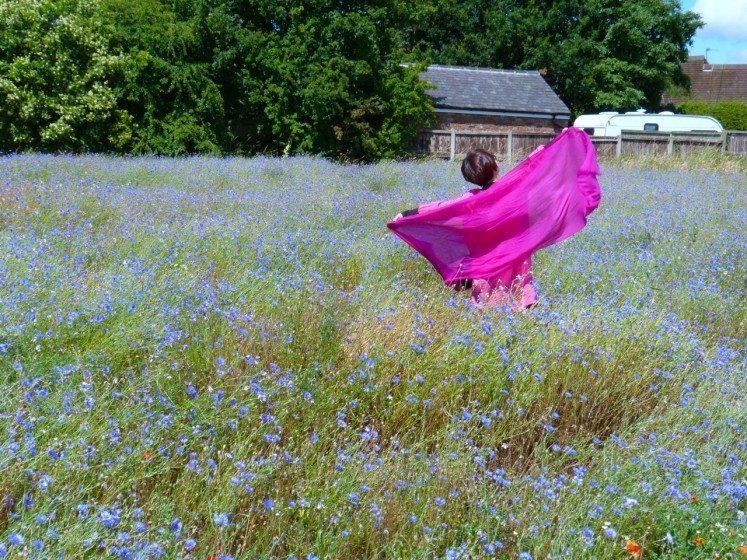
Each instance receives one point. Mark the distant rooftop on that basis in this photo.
(492, 90)
(713, 82)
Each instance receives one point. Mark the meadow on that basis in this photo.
(233, 358)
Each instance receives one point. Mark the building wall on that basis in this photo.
(493, 123)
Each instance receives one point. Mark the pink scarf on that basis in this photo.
(489, 234)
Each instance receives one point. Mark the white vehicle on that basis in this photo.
(612, 124)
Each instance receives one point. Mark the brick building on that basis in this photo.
(486, 99)
(711, 82)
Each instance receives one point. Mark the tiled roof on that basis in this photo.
(713, 82)
(488, 89)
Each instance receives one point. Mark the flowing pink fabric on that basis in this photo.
(490, 235)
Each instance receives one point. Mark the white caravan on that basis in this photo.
(612, 124)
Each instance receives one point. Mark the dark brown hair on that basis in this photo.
(480, 167)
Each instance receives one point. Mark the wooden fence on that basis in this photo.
(514, 146)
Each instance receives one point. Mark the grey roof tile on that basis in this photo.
(488, 89)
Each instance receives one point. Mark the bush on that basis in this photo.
(207, 76)
(731, 114)
(56, 76)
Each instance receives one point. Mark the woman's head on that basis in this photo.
(480, 167)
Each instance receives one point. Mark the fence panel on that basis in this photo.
(434, 142)
(736, 142)
(687, 145)
(515, 146)
(525, 143)
(494, 143)
(645, 144)
(606, 147)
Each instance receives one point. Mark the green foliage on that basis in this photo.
(56, 75)
(207, 76)
(731, 114)
(599, 54)
(168, 87)
(316, 76)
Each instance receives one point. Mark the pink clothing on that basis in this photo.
(491, 292)
(488, 236)
(520, 294)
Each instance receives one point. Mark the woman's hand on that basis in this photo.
(537, 149)
(397, 217)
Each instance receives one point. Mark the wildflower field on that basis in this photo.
(233, 358)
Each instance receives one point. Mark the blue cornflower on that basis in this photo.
(109, 518)
(16, 539)
(221, 519)
(45, 481)
(609, 532)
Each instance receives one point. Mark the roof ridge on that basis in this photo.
(737, 66)
(482, 69)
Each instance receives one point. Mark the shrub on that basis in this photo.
(56, 75)
(731, 114)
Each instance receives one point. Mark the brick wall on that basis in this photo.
(492, 123)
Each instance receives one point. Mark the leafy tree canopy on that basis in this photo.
(312, 76)
(319, 76)
(597, 54)
(216, 76)
(56, 75)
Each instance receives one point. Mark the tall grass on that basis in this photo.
(700, 159)
(226, 357)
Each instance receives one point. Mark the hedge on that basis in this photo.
(731, 114)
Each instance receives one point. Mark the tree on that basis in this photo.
(218, 76)
(167, 87)
(597, 54)
(56, 75)
(316, 76)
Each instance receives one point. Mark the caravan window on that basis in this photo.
(650, 127)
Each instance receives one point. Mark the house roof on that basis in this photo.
(488, 90)
(713, 82)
